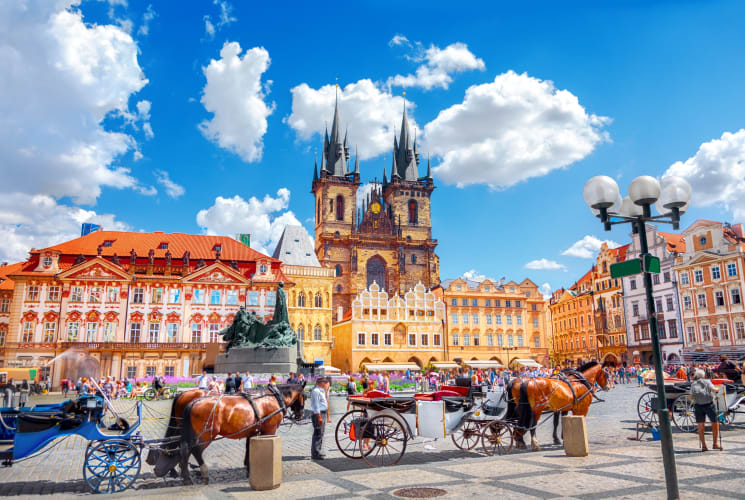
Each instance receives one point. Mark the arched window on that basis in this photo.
(340, 207)
(413, 215)
(413, 259)
(376, 272)
(300, 332)
(318, 211)
(331, 206)
(319, 300)
(338, 270)
(605, 267)
(317, 332)
(338, 288)
(301, 299)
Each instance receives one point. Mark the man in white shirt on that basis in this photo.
(203, 380)
(248, 381)
(319, 406)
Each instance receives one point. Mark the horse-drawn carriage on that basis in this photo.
(729, 401)
(112, 458)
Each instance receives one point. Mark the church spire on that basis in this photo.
(429, 168)
(385, 178)
(356, 161)
(405, 153)
(315, 169)
(336, 152)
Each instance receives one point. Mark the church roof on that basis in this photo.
(295, 248)
(405, 154)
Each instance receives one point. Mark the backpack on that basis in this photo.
(701, 392)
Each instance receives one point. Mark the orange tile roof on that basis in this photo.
(620, 252)
(675, 242)
(5, 282)
(122, 242)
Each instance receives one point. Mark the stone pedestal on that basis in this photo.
(265, 462)
(574, 431)
(282, 360)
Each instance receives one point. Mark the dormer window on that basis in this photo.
(108, 243)
(163, 246)
(262, 268)
(47, 261)
(217, 248)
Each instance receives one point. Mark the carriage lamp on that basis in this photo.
(671, 197)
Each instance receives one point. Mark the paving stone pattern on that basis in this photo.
(616, 468)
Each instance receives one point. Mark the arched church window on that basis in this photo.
(340, 207)
(319, 300)
(317, 332)
(605, 267)
(301, 299)
(338, 288)
(413, 259)
(413, 216)
(331, 206)
(338, 270)
(318, 211)
(300, 332)
(376, 272)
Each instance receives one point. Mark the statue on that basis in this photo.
(248, 331)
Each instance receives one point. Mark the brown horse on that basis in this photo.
(536, 395)
(235, 417)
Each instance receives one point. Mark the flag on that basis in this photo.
(89, 228)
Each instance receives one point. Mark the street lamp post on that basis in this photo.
(671, 197)
(508, 349)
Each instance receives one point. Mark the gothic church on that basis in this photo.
(388, 240)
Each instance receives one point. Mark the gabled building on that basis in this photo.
(610, 327)
(388, 240)
(132, 304)
(665, 246)
(573, 334)
(711, 278)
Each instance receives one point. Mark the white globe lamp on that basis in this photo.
(644, 190)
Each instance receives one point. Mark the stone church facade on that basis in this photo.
(388, 240)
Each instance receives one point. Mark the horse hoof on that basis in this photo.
(206, 480)
(536, 448)
(188, 482)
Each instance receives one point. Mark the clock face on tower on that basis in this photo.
(375, 207)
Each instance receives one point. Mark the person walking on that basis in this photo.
(248, 381)
(318, 406)
(203, 380)
(238, 382)
(229, 384)
(702, 391)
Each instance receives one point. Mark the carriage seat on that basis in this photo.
(455, 403)
(374, 393)
(435, 396)
(32, 422)
(462, 391)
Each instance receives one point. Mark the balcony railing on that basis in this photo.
(149, 346)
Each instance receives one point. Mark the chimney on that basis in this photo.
(339, 314)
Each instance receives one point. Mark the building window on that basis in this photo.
(536, 342)
(658, 305)
(172, 332)
(533, 307)
(214, 333)
(388, 338)
(199, 296)
(215, 297)
(453, 302)
(669, 302)
(149, 371)
(454, 318)
(374, 338)
(488, 319)
(498, 319)
(412, 339)
(476, 340)
(338, 270)
(508, 303)
(465, 318)
(519, 320)
(672, 329)
(719, 298)
(196, 333)
(666, 277)
(413, 259)
(740, 330)
(475, 302)
(50, 328)
(109, 331)
(489, 339)
(705, 334)
(169, 371)
(691, 334)
(91, 329)
(464, 302)
(731, 270)
(231, 297)
(253, 299)
(466, 339)
(698, 276)
(475, 319)
(135, 329)
(131, 371)
(488, 301)
(510, 342)
(156, 296)
(4, 305)
(28, 332)
(723, 331)
(701, 300)
(686, 302)
(413, 212)
(154, 332)
(518, 304)
(509, 319)
(497, 303)
(72, 331)
(95, 295)
(424, 339)
(715, 274)
(301, 299)
(318, 301)
(32, 293)
(139, 296)
(360, 338)
(112, 294)
(535, 322)
(661, 330)
(76, 294)
(683, 278)
(455, 338)
(271, 298)
(656, 279)
(300, 332)
(53, 293)
(500, 340)
(436, 339)
(735, 295)
(520, 340)
(340, 207)
(174, 295)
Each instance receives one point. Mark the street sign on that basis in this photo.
(626, 268)
(651, 264)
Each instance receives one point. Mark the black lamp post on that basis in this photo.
(671, 198)
(508, 349)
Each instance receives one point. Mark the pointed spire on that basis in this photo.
(356, 160)
(385, 178)
(315, 169)
(336, 152)
(429, 168)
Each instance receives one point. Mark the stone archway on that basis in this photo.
(375, 271)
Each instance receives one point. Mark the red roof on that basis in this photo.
(620, 252)
(675, 242)
(5, 282)
(122, 242)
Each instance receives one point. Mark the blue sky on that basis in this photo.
(140, 115)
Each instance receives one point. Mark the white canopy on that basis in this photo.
(483, 364)
(447, 365)
(527, 362)
(330, 369)
(391, 367)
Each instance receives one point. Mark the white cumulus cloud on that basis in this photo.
(474, 275)
(172, 189)
(398, 40)
(371, 112)
(510, 130)
(438, 65)
(38, 221)
(235, 95)
(545, 265)
(545, 290)
(264, 219)
(60, 79)
(588, 247)
(717, 173)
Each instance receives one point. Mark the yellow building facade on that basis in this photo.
(383, 329)
(490, 321)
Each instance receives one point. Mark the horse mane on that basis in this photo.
(587, 366)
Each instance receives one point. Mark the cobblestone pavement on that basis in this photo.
(617, 467)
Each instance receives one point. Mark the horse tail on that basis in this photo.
(525, 415)
(173, 424)
(188, 437)
(511, 407)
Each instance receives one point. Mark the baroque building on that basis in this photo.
(309, 300)
(388, 240)
(494, 322)
(572, 330)
(610, 327)
(133, 304)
